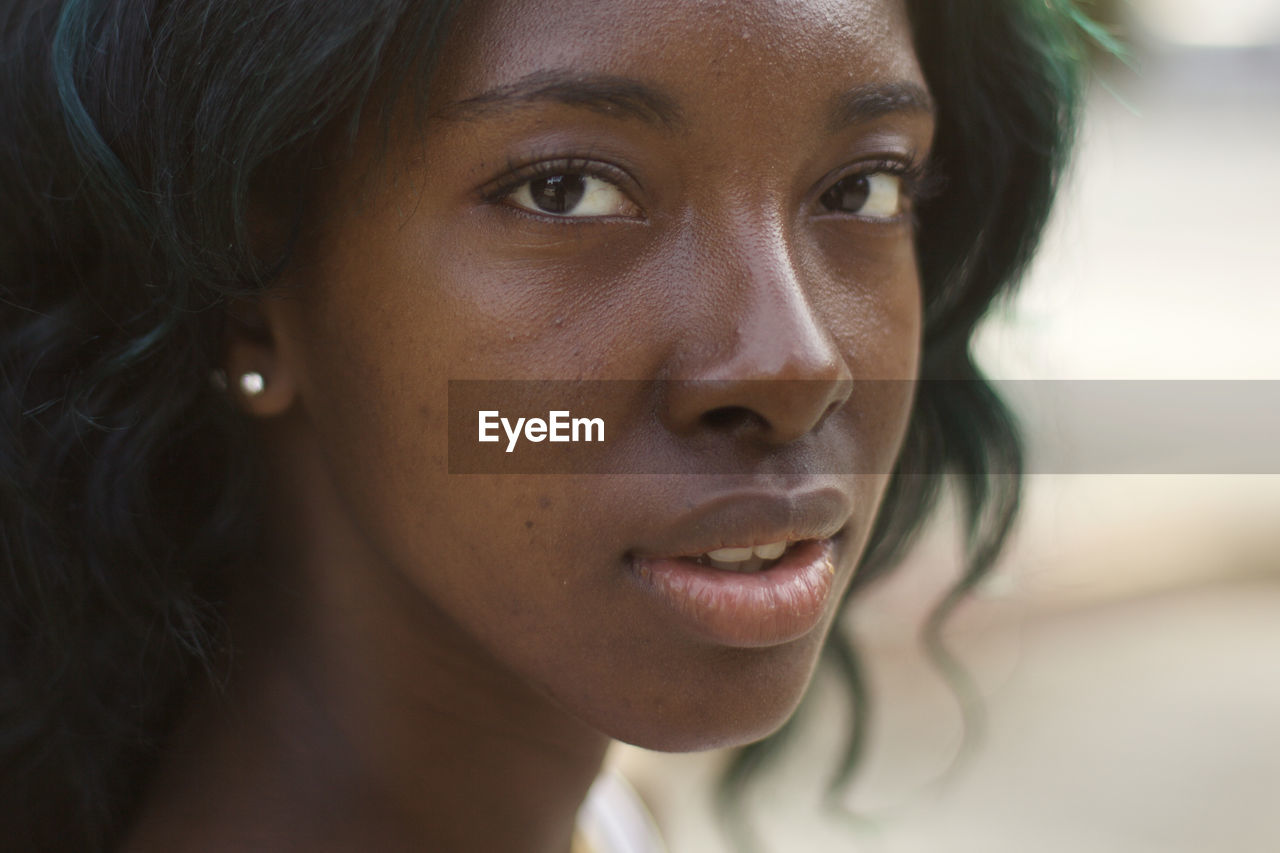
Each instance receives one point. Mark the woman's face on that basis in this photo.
(699, 195)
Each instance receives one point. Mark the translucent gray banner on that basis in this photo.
(657, 427)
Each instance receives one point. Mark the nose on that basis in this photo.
(757, 357)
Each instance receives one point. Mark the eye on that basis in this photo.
(873, 195)
(573, 195)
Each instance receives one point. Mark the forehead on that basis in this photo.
(728, 50)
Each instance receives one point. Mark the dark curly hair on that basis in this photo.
(135, 134)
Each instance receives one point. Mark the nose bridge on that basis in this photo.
(778, 332)
(761, 351)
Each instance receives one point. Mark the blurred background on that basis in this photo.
(1128, 646)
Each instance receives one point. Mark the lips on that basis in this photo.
(748, 569)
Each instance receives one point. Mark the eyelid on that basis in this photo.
(918, 182)
(498, 190)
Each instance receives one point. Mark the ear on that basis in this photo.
(259, 378)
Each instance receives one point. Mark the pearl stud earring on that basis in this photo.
(252, 384)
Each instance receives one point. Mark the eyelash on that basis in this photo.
(919, 181)
(518, 175)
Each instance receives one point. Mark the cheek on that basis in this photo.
(867, 281)
(872, 304)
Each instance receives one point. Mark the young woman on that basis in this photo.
(260, 612)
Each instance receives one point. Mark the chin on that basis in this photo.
(749, 696)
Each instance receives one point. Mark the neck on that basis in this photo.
(320, 743)
(358, 717)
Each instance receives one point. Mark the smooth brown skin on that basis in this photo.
(435, 662)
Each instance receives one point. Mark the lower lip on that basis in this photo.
(746, 610)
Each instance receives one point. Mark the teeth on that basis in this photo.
(746, 559)
(730, 555)
(752, 565)
(772, 551)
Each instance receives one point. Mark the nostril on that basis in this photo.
(832, 407)
(731, 418)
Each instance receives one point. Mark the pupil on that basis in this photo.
(848, 195)
(558, 193)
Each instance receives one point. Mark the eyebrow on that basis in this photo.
(620, 97)
(624, 97)
(876, 100)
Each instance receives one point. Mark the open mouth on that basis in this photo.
(760, 596)
(747, 569)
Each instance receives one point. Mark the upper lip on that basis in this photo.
(743, 519)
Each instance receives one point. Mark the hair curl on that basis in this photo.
(136, 133)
